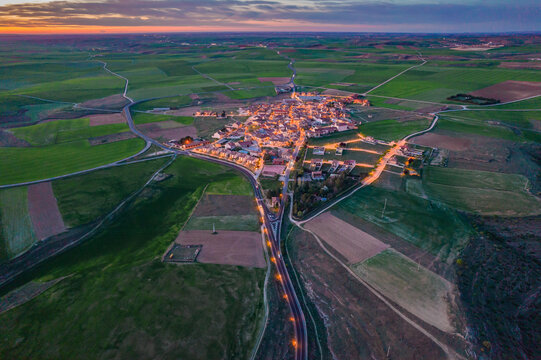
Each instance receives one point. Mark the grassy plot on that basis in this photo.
(481, 192)
(169, 102)
(509, 125)
(451, 123)
(413, 287)
(27, 164)
(359, 156)
(77, 89)
(335, 138)
(17, 231)
(235, 185)
(125, 303)
(251, 93)
(432, 83)
(392, 129)
(359, 77)
(144, 118)
(84, 198)
(428, 225)
(228, 222)
(59, 131)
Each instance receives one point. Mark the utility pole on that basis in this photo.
(384, 206)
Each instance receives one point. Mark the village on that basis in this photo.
(276, 139)
(265, 143)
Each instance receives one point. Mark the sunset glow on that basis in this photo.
(138, 16)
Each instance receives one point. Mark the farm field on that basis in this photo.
(428, 225)
(235, 185)
(144, 118)
(27, 164)
(413, 287)
(361, 157)
(352, 243)
(62, 131)
(432, 83)
(361, 76)
(17, 231)
(392, 130)
(481, 192)
(216, 314)
(84, 198)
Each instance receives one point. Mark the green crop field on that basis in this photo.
(84, 198)
(34, 163)
(170, 102)
(124, 301)
(413, 287)
(17, 230)
(390, 130)
(428, 225)
(482, 192)
(61, 131)
(432, 83)
(491, 128)
(144, 118)
(251, 93)
(361, 76)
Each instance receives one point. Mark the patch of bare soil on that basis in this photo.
(43, 209)
(7, 139)
(275, 80)
(110, 102)
(357, 324)
(194, 96)
(352, 243)
(25, 293)
(510, 90)
(105, 119)
(521, 65)
(225, 205)
(442, 141)
(155, 131)
(105, 139)
(243, 248)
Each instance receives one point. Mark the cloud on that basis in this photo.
(325, 15)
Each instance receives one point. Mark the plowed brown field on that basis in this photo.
(352, 243)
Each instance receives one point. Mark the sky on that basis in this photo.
(140, 16)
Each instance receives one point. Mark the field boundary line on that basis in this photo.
(397, 75)
(196, 204)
